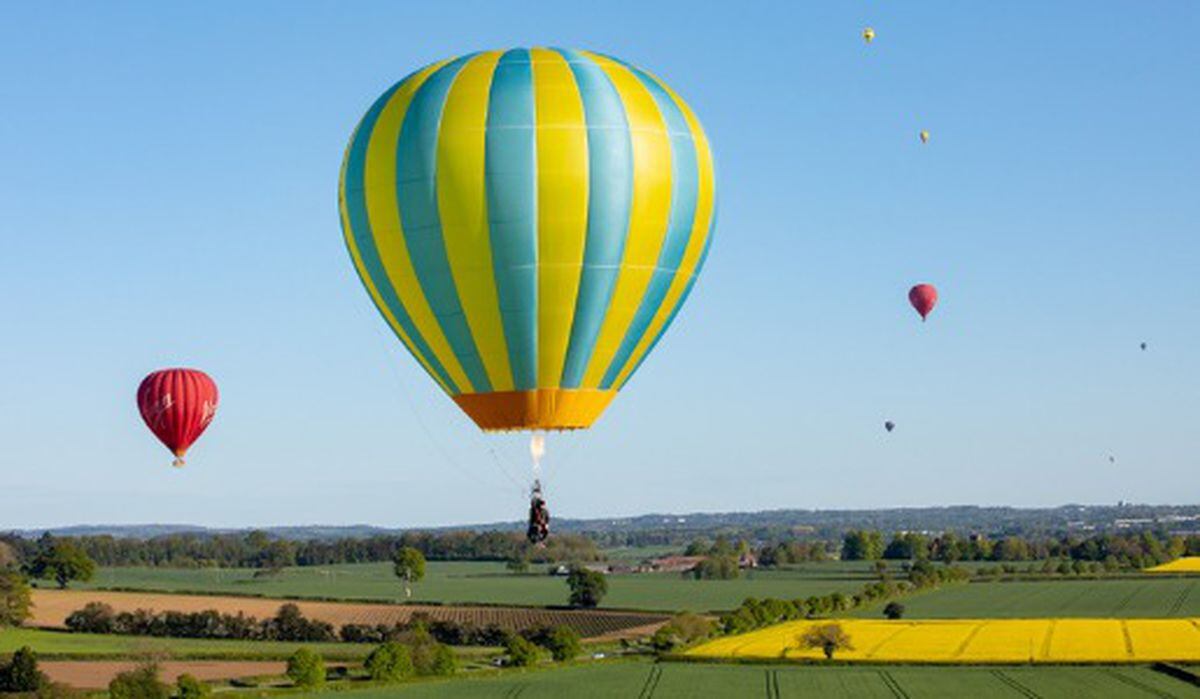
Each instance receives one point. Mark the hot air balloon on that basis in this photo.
(177, 405)
(1143, 346)
(529, 222)
(889, 425)
(924, 136)
(868, 35)
(923, 297)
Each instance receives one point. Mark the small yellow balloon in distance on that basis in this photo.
(868, 35)
(924, 136)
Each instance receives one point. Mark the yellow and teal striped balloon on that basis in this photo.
(529, 222)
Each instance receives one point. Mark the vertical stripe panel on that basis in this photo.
(648, 217)
(697, 243)
(360, 243)
(610, 201)
(680, 221)
(687, 290)
(462, 203)
(417, 193)
(383, 214)
(510, 172)
(562, 208)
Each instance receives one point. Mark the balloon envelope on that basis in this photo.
(177, 405)
(529, 222)
(889, 425)
(923, 298)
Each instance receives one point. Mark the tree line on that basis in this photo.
(1117, 551)
(258, 549)
(288, 624)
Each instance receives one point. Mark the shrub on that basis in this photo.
(521, 652)
(684, 629)
(563, 643)
(443, 663)
(428, 656)
(95, 617)
(893, 610)
(21, 674)
(290, 624)
(389, 662)
(140, 683)
(188, 687)
(306, 669)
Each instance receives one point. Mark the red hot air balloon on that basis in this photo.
(923, 297)
(177, 405)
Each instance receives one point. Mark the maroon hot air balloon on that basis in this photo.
(923, 297)
(177, 405)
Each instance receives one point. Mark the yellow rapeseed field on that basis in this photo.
(1187, 564)
(979, 641)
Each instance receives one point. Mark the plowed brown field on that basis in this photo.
(51, 608)
(96, 675)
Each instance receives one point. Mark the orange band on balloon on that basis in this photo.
(541, 409)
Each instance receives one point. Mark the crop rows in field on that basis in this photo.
(51, 608)
(489, 582)
(685, 681)
(1148, 597)
(979, 641)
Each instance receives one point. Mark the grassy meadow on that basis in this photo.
(490, 583)
(1119, 598)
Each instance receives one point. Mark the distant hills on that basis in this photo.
(964, 518)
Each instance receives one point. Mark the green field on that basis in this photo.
(683, 681)
(1167, 597)
(58, 644)
(490, 583)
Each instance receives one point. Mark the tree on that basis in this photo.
(21, 674)
(306, 669)
(15, 599)
(588, 587)
(188, 687)
(139, 683)
(521, 653)
(563, 643)
(862, 545)
(906, 546)
(830, 638)
(390, 662)
(893, 610)
(63, 562)
(8, 557)
(409, 566)
(716, 568)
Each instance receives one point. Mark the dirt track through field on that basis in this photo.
(96, 675)
(51, 608)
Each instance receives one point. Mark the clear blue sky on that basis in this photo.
(168, 187)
